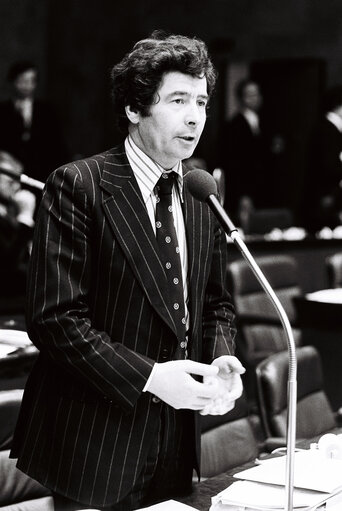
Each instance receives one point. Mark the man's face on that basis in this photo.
(25, 84)
(8, 187)
(176, 120)
(251, 96)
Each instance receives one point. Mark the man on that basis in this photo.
(109, 414)
(17, 208)
(322, 195)
(29, 128)
(250, 150)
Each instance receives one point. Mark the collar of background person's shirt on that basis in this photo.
(25, 108)
(253, 120)
(335, 119)
(147, 171)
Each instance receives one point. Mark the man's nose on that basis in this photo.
(193, 115)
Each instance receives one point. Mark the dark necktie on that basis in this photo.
(169, 252)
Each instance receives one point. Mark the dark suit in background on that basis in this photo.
(99, 311)
(323, 192)
(40, 148)
(244, 163)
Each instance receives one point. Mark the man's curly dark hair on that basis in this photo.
(136, 79)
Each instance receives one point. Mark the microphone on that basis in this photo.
(203, 187)
(8, 170)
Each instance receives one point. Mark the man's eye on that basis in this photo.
(202, 103)
(178, 101)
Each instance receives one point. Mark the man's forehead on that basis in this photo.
(175, 81)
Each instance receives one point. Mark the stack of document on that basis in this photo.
(317, 485)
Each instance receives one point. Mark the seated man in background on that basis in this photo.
(16, 230)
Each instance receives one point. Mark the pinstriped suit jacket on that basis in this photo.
(99, 312)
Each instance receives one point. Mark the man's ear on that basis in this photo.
(132, 114)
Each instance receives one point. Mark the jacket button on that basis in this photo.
(155, 399)
(165, 354)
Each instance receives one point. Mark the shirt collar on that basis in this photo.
(147, 171)
(252, 118)
(335, 120)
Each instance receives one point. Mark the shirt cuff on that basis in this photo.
(147, 384)
(26, 219)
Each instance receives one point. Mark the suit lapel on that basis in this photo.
(124, 207)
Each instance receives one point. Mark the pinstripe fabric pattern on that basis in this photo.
(98, 310)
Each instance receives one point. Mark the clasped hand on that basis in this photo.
(174, 384)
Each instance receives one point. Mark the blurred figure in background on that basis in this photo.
(16, 229)
(29, 129)
(247, 147)
(323, 184)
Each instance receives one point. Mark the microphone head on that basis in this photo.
(201, 184)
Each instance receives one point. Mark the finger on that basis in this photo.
(192, 367)
(203, 390)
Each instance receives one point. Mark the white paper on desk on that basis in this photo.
(326, 295)
(253, 495)
(5, 349)
(312, 471)
(17, 338)
(169, 505)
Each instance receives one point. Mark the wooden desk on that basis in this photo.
(202, 492)
(200, 498)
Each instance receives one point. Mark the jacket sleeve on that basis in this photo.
(60, 281)
(218, 312)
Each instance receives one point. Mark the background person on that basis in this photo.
(250, 148)
(323, 184)
(29, 128)
(17, 208)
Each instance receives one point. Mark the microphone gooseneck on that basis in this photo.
(203, 187)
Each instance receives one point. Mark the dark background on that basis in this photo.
(293, 47)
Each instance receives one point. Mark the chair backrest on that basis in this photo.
(254, 309)
(227, 440)
(314, 413)
(10, 401)
(334, 270)
(282, 273)
(262, 221)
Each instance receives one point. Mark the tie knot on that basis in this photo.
(165, 183)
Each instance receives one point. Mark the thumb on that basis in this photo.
(200, 369)
(236, 366)
(229, 364)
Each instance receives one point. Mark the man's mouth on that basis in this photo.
(187, 138)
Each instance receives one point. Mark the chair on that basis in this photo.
(334, 270)
(227, 440)
(259, 329)
(16, 366)
(314, 413)
(18, 491)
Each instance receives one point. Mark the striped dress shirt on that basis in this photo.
(147, 173)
